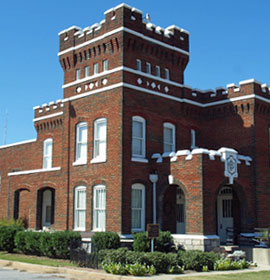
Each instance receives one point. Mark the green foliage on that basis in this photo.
(7, 236)
(176, 269)
(115, 268)
(105, 240)
(163, 242)
(28, 242)
(229, 264)
(196, 260)
(141, 242)
(46, 244)
(137, 269)
(11, 222)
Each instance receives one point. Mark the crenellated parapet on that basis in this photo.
(123, 17)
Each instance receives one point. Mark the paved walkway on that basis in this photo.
(85, 273)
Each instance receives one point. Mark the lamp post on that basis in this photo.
(154, 178)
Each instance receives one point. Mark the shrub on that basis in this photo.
(196, 260)
(11, 222)
(137, 269)
(164, 242)
(141, 242)
(28, 242)
(176, 269)
(105, 240)
(115, 268)
(46, 245)
(84, 259)
(160, 261)
(229, 264)
(7, 236)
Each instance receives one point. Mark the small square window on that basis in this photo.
(95, 68)
(86, 71)
(167, 74)
(78, 74)
(157, 71)
(148, 68)
(105, 65)
(138, 65)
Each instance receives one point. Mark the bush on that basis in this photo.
(84, 259)
(28, 242)
(141, 242)
(105, 240)
(7, 236)
(164, 242)
(228, 264)
(11, 222)
(196, 260)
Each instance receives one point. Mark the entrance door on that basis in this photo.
(225, 214)
(47, 208)
(180, 211)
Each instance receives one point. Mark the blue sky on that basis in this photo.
(229, 42)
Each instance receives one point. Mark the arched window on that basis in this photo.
(81, 143)
(47, 153)
(138, 137)
(137, 207)
(80, 208)
(99, 208)
(168, 137)
(100, 140)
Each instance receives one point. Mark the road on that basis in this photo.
(10, 274)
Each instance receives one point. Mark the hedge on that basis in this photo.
(105, 240)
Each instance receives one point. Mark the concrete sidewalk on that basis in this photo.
(85, 273)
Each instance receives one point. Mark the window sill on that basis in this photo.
(75, 163)
(137, 159)
(79, 229)
(98, 160)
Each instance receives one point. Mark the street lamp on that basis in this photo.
(154, 178)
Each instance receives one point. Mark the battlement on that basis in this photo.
(123, 17)
(48, 109)
(245, 88)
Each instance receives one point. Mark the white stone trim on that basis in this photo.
(137, 159)
(18, 143)
(126, 30)
(48, 116)
(195, 236)
(249, 82)
(68, 29)
(26, 172)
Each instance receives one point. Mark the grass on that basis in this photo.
(262, 275)
(36, 260)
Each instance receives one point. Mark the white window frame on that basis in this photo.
(81, 159)
(95, 68)
(170, 126)
(138, 65)
(77, 209)
(101, 226)
(105, 65)
(157, 71)
(143, 139)
(142, 188)
(97, 142)
(87, 71)
(148, 68)
(78, 74)
(47, 158)
(167, 73)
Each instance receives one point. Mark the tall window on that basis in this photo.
(167, 74)
(138, 65)
(138, 207)
(168, 137)
(157, 71)
(99, 208)
(138, 137)
(105, 65)
(81, 142)
(148, 68)
(86, 71)
(78, 74)
(80, 208)
(100, 140)
(193, 139)
(47, 153)
(95, 68)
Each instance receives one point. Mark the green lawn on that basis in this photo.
(262, 275)
(35, 260)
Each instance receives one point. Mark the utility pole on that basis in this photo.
(5, 128)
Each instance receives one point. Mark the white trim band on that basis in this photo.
(26, 172)
(18, 143)
(48, 116)
(195, 236)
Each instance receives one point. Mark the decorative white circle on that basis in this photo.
(96, 84)
(166, 89)
(104, 82)
(139, 81)
(147, 83)
(78, 89)
(86, 87)
(91, 85)
(153, 85)
(158, 86)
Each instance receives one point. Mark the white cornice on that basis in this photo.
(18, 143)
(26, 172)
(126, 30)
(48, 117)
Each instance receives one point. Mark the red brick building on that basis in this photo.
(125, 114)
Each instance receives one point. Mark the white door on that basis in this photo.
(180, 212)
(225, 214)
(47, 208)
